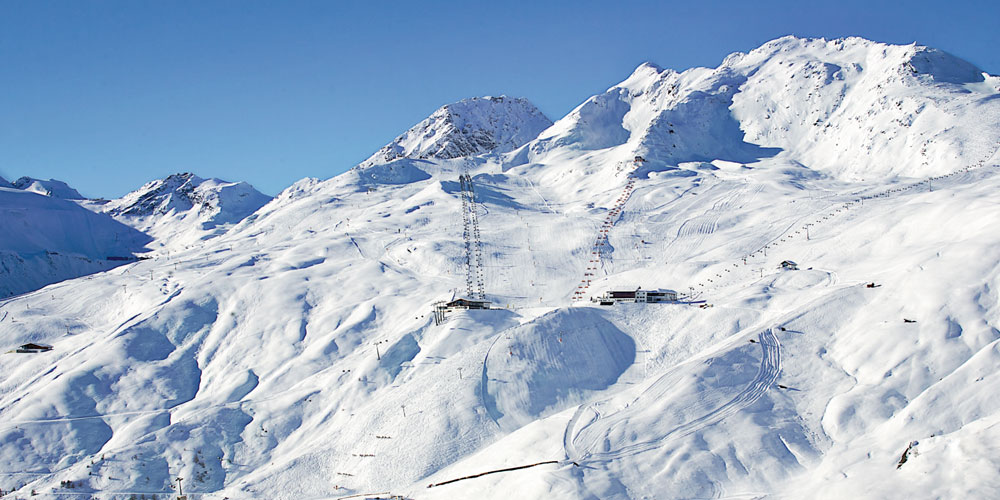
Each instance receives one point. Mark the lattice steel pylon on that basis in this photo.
(474, 281)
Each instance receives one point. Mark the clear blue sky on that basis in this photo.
(107, 95)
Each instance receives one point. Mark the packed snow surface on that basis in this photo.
(295, 354)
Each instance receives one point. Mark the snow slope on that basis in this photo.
(46, 239)
(295, 356)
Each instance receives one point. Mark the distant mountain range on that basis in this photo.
(45, 218)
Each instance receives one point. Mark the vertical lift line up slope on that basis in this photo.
(474, 281)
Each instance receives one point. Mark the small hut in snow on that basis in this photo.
(32, 348)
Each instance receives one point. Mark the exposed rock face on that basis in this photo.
(466, 128)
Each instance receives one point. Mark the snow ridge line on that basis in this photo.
(767, 375)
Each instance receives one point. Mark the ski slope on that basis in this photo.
(294, 355)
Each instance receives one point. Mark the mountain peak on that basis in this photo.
(174, 192)
(943, 67)
(846, 106)
(644, 75)
(51, 187)
(465, 128)
(184, 195)
(914, 58)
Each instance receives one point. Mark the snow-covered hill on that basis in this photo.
(183, 209)
(466, 128)
(295, 356)
(51, 187)
(44, 240)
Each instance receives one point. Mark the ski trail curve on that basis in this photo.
(488, 402)
(767, 374)
(692, 232)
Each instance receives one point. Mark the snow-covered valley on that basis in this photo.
(293, 353)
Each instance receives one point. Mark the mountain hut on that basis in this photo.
(32, 348)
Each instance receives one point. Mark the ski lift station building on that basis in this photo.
(444, 307)
(638, 295)
(462, 304)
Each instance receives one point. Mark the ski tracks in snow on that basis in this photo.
(588, 415)
(692, 232)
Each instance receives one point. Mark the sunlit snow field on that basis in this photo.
(294, 355)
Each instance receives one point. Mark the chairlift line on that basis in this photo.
(475, 282)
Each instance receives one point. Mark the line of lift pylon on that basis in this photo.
(598, 250)
(474, 280)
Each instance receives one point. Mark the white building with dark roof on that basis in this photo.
(638, 295)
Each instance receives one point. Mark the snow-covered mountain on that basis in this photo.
(295, 354)
(4, 183)
(184, 208)
(466, 128)
(848, 107)
(51, 187)
(45, 239)
(50, 241)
